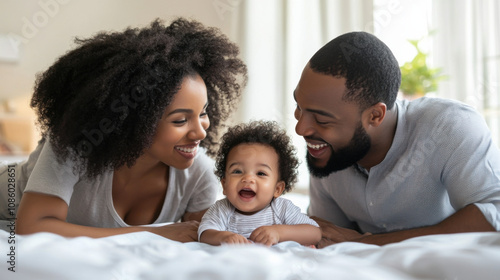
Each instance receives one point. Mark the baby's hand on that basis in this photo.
(267, 235)
(234, 239)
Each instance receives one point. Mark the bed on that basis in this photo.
(144, 255)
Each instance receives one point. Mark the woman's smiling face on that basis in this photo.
(182, 126)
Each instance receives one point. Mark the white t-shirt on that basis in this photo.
(90, 201)
(222, 216)
(442, 159)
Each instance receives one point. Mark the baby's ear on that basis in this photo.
(223, 183)
(280, 187)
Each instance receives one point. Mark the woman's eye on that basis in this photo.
(180, 121)
(204, 114)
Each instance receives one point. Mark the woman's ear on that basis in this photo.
(280, 187)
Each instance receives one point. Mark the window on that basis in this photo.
(465, 43)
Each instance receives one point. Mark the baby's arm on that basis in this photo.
(215, 237)
(304, 234)
(212, 229)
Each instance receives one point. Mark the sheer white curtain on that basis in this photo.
(467, 46)
(277, 38)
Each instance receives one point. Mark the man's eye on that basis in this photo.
(321, 122)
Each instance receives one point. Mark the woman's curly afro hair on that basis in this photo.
(261, 132)
(100, 103)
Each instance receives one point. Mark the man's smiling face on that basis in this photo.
(331, 126)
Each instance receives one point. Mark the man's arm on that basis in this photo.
(468, 219)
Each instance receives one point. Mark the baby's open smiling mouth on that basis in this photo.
(246, 193)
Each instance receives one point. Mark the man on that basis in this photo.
(385, 170)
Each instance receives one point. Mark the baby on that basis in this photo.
(256, 164)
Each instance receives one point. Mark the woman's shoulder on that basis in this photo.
(27, 164)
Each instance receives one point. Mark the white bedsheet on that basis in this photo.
(145, 255)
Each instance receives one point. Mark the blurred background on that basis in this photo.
(446, 48)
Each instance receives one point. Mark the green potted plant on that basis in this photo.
(417, 78)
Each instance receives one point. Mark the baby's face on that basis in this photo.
(251, 179)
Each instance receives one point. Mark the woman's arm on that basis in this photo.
(45, 213)
(303, 234)
(193, 216)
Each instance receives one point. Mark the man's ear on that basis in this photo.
(375, 114)
(280, 187)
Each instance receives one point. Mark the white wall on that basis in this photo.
(47, 28)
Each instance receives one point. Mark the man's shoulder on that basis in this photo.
(431, 115)
(434, 107)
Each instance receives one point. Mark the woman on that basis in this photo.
(122, 117)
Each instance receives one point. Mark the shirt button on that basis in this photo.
(371, 203)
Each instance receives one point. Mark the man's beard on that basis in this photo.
(345, 157)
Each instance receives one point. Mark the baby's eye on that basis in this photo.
(236, 171)
(261, 173)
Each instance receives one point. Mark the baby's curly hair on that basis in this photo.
(100, 103)
(261, 132)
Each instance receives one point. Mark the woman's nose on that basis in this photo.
(199, 131)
